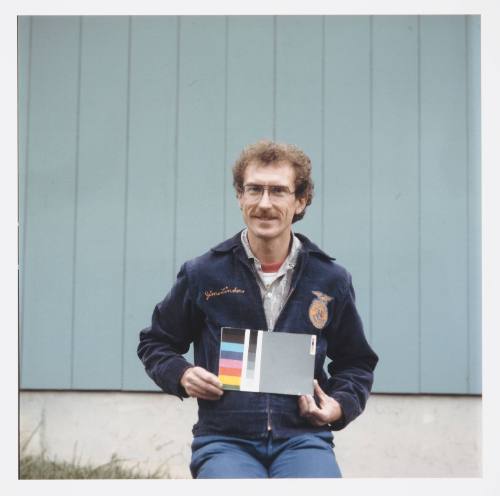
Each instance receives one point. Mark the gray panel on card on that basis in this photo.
(286, 365)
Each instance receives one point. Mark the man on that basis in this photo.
(265, 277)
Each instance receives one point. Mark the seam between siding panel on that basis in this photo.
(25, 200)
(467, 200)
(75, 207)
(225, 173)
(370, 167)
(176, 149)
(275, 72)
(322, 220)
(125, 199)
(419, 187)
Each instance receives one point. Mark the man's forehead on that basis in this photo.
(282, 169)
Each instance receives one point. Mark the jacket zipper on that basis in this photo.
(292, 289)
(269, 427)
(254, 277)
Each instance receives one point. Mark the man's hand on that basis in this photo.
(329, 410)
(200, 383)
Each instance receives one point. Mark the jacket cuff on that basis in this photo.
(171, 376)
(350, 411)
(181, 392)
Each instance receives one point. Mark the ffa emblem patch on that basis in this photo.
(318, 311)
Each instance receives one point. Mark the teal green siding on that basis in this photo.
(24, 42)
(48, 175)
(249, 99)
(200, 144)
(347, 177)
(444, 184)
(128, 127)
(473, 57)
(298, 99)
(100, 204)
(395, 291)
(149, 260)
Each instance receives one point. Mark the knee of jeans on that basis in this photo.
(198, 458)
(316, 439)
(201, 448)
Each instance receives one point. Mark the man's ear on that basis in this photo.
(301, 205)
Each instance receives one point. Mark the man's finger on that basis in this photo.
(303, 406)
(198, 392)
(202, 385)
(317, 417)
(207, 397)
(196, 385)
(208, 377)
(202, 377)
(319, 392)
(318, 423)
(310, 405)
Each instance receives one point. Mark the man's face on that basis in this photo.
(269, 217)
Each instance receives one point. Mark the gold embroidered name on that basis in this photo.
(223, 291)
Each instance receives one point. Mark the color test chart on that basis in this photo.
(262, 361)
(239, 362)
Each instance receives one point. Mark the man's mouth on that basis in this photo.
(264, 218)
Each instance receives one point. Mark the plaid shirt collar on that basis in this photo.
(290, 260)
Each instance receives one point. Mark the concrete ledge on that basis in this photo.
(397, 436)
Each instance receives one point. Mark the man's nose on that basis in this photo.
(265, 200)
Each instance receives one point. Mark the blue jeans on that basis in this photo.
(227, 457)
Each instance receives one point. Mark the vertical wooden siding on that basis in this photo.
(128, 127)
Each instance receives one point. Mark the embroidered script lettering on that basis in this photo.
(223, 291)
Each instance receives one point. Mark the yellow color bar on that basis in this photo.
(230, 380)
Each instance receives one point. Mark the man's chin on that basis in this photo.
(263, 231)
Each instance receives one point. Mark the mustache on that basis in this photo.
(263, 216)
(263, 213)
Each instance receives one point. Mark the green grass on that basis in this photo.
(40, 467)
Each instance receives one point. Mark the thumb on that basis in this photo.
(319, 392)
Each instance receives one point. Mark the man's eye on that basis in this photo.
(278, 190)
(254, 189)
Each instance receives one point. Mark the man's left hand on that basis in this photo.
(328, 411)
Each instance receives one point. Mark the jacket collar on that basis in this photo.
(235, 242)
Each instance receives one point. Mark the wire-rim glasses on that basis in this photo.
(254, 192)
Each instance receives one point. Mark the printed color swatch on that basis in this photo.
(231, 358)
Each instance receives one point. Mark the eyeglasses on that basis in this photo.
(254, 192)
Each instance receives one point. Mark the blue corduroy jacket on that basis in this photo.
(219, 289)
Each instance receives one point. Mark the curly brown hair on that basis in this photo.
(268, 152)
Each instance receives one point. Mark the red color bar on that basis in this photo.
(230, 371)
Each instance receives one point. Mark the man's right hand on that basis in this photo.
(200, 383)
